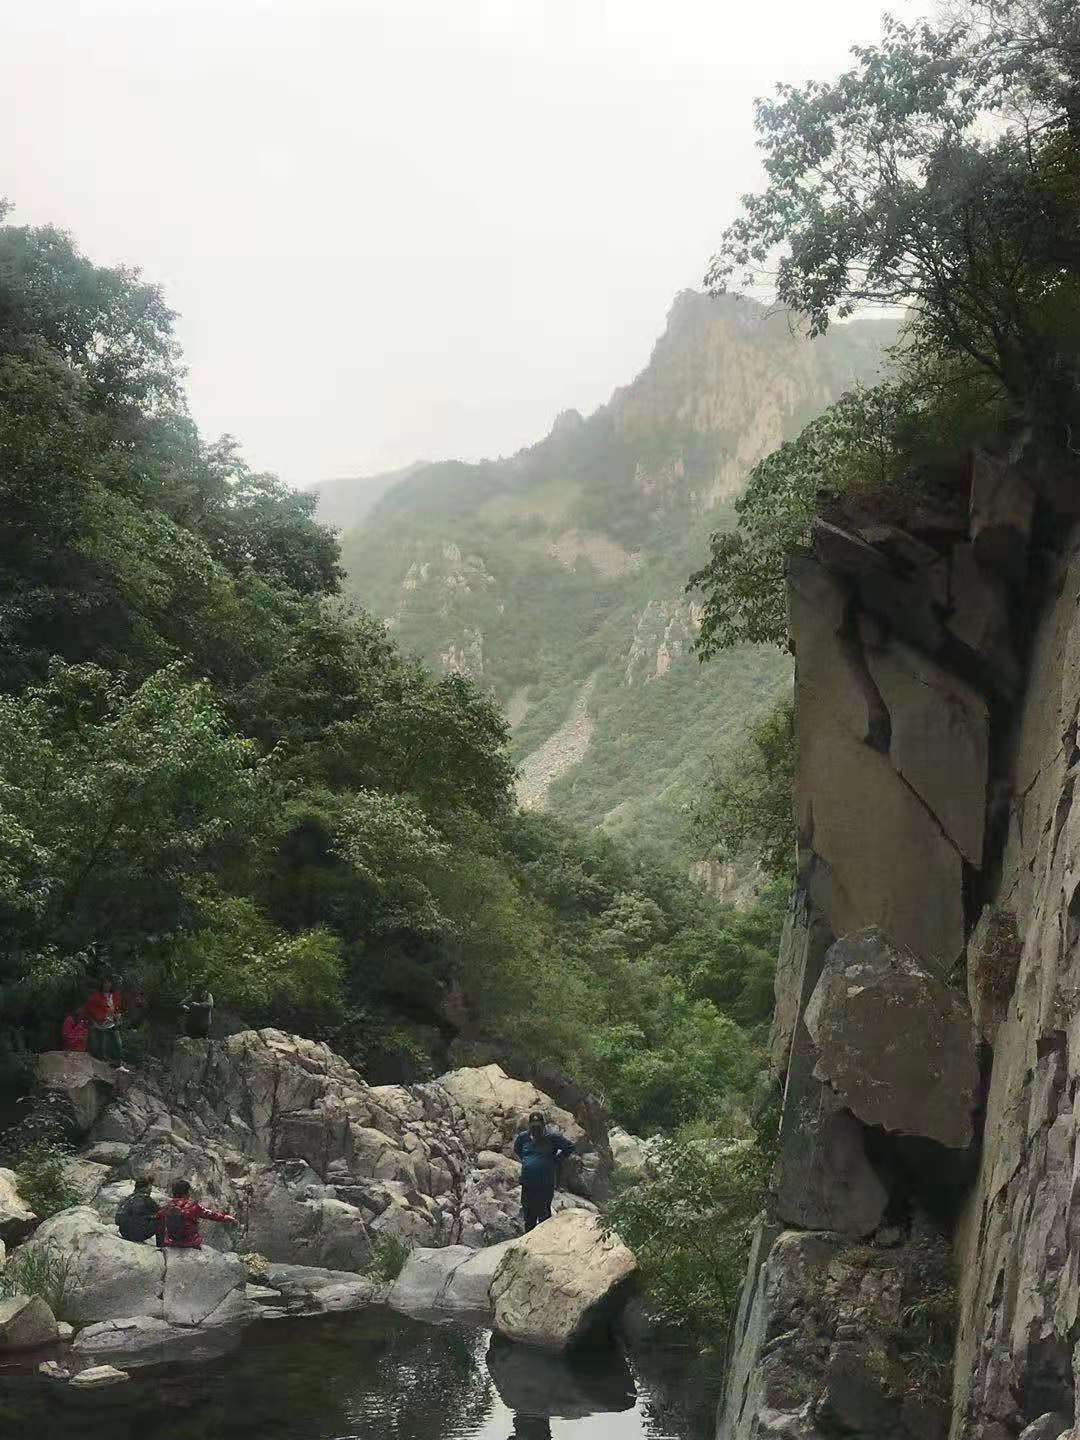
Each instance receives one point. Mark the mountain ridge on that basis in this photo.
(559, 572)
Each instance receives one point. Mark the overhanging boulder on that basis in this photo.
(893, 1042)
(558, 1284)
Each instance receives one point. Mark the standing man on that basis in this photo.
(541, 1150)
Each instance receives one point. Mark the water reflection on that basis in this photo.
(373, 1376)
(534, 1384)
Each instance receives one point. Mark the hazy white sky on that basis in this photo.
(401, 228)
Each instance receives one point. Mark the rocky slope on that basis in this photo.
(316, 1164)
(918, 1273)
(319, 1169)
(556, 577)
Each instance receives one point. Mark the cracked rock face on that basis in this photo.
(895, 1044)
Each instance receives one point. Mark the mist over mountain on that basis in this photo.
(556, 577)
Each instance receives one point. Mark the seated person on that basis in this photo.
(136, 1217)
(178, 1219)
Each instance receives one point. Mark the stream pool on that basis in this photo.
(374, 1376)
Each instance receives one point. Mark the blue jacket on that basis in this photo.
(541, 1157)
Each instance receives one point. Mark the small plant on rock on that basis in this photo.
(41, 1271)
(388, 1258)
(41, 1175)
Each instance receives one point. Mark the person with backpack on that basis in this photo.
(541, 1151)
(136, 1217)
(178, 1219)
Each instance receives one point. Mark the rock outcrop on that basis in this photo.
(317, 1165)
(26, 1323)
(558, 1284)
(920, 1256)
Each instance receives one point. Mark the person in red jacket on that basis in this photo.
(74, 1032)
(178, 1219)
(101, 1010)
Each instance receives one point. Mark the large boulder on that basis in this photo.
(558, 1284)
(452, 1279)
(495, 1106)
(89, 1084)
(16, 1217)
(893, 1042)
(26, 1322)
(111, 1278)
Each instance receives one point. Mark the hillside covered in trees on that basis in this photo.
(214, 770)
(556, 578)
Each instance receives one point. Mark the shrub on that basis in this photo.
(41, 1175)
(41, 1271)
(388, 1257)
(690, 1228)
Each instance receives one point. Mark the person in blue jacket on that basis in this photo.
(541, 1151)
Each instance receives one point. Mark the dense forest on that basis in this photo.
(215, 771)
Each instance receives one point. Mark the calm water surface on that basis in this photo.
(373, 1376)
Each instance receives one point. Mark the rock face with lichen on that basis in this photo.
(918, 1273)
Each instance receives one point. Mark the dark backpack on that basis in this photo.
(135, 1218)
(176, 1225)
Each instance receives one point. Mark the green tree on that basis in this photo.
(690, 1227)
(887, 187)
(748, 808)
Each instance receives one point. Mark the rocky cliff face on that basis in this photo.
(919, 1273)
(556, 577)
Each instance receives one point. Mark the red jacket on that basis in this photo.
(74, 1033)
(190, 1214)
(96, 1008)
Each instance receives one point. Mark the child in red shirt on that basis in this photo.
(73, 1032)
(178, 1219)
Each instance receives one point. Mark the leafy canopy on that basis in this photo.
(938, 173)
